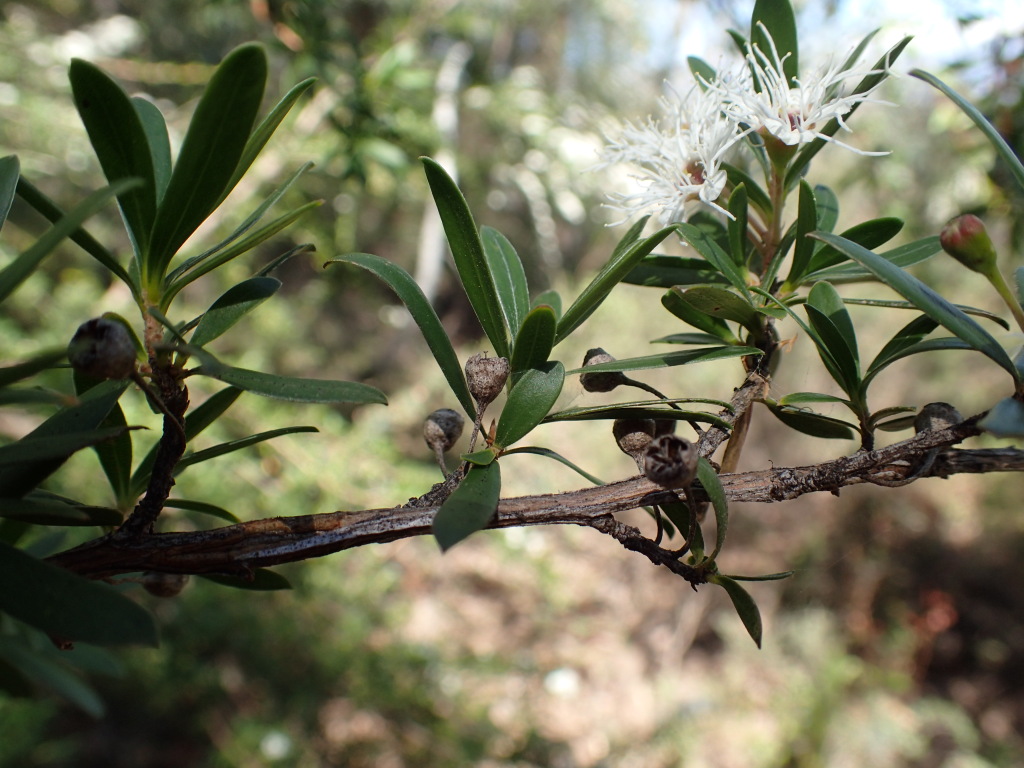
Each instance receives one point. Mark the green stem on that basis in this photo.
(999, 283)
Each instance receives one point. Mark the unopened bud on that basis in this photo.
(671, 462)
(936, 416)
(604, 381)
(103, 348)
(442, 428)
(966, 240)
(485, 377)
(633, 435)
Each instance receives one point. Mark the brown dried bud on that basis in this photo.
(670, 461)
(103, 348)
(633, 435)
(936, 416)
(485, 377)
(600, 382)
(442, 428)
(164, 584)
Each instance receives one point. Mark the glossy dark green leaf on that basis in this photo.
(120, 142)
(260, 580)
(77, 420)
(548, 453)
(612, 273)
(670, 359)
(232, 306)
(910, 334)
(813, 424)
(261, 133)
(231, 446)
(530, 400)
(827, 205)
(67, 606)
(481, 458)
(706, 246)
(900, 304)
(115, 456)
(10, 169)
(713, 487)
(155, 128)
(687, 338)
(534, 341)
(210, 153)
(468, 252)
(40, 362)
(879, 72)
(629, 411)
(806, 222)
(702, 71)
(1004, 150)
(744, 604)
(715, 326)
(18, 270)
(440, 345)
(802, 398)
(1006, 419)
(737, 226)
(32, 449)
(925, 299)
(202, 507)
(884, 419)
(767, 577)
(869, 234)
(470, 507)
(548, 298)
(824, 298)
(662, 271)
(723, 304)
(509, 277)
(42, 668)
(291, 388)
(34, 197)
(31, 396)
(776, 17)
(834, 351)
(756, 196)
(903, 256)
(46, 511)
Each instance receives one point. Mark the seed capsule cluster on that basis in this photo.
(670, 461)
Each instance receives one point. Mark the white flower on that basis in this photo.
(793, 113)
(677, 158)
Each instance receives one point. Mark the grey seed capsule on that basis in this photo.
(604, 381)
(633, 435)
(936, 416)
(485, 377)
(103, 348)
(670, 461)
(442, 428)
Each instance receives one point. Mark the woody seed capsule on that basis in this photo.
(604, 381)
(670, 461)
(633, 435)
(442, 428)
(485, 377)
(102, 348)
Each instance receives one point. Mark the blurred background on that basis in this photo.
(899, 641)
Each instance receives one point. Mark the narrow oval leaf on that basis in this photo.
(549, 298)
(767, 577)
(232, 306)
(613, 273)
(756, 196)
(291, 388)
(260, 580)
(674, 303)
(778, 20)
(799, 398)
(68, 606)
(806, 222)
(712, 485)
(202, 507)
(903, 256)
(236, 445)
(115, 456)
(744, 604)
(669, 359)
(470, 506)
(662, 271)
(42, 361)
(120, 142)
(155, 128)
(912, 333)
(723, 304)
(548, 453)
(46, 511)
(468, 252)
(827, 205)
(925, 299)
(737, 226)
(509, 277)
(813, 424)
(210, 152)
(402, 283)
(10, 169)
(529, 402)
(824, 298)
(34, 449)
(534, 340)
(1006, 419)
(481, 458)
(706, 246)
(44, 669)
(609, 412)
(870, 234)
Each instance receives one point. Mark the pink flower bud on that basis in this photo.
(966, 240)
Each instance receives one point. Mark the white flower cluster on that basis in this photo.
(678, 158)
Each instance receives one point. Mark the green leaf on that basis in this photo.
(800, 398)
(202, 507)
(702, 72)
(232, 306)
(549, 298)
(827, 205)
(440, 345)
(548, 453)
(468, 252)
(705, 245)
(670, 359)
(33, 449)
(115, 456)
(903, 256)
(777, 18)
(756, 196)
(662, 271)
(673, 301)
(51, 511)
(737, 226)
(744, 604)
(260, 580)
(481, 458)
(18, 270)
(529, 402)
(767, 577)
(470, 507)
(713, 487)
(155, 128)
(619, 265)
(910, 334)
(41, 362)
(806, 221)
(869, 234)
(120, 142)
(925, 299)
(10, 169)
(67, 606)
(635, 411)
(827, 301)
(70, 426)
(290, 388)
(687, 338)
(723, 304)
(1006, 419)
(231, 446)
(44, 669)
(509, 278)
(1004, 150)
(810, 423)
(262, 133)
(534, 341)
(210, 153)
